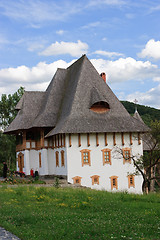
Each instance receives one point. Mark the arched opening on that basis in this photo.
(100, 107)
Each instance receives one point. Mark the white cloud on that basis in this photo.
(106, 2)
(39, 11)
(157, 8)
(108, 54)
(71, 48)
(125, 69)
(130, 15)
(35, 78)
(92, 25)
(151, 50)
(3, 41)
(156, 79)
(149, 98)
(38, 77)
(35, 46)
(60, 32)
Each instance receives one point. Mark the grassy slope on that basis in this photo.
(147, 113)
(49, 213)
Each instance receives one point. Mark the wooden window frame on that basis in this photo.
(131, 184)
(77, 178)
(124, 154)
(114, 178)
(62, 159)
(93, 179)
(57, 158)
(21, 161)
(82, 157)
(103, 156)
(40, 160)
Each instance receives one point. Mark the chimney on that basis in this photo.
(103, 75)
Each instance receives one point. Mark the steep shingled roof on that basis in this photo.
(28, 107)
(148, 140)
(66, 104)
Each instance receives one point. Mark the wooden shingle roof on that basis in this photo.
(65, 105)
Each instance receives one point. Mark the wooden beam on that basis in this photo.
(114, 139)
(64, 140)
(88, 140)
(61, 140)
(79, 139)
(130, 136)
(97, 140)
(105, 139)
(139, 138)
(70, 143)
(58, 140)
(122, 136)
(24, 140)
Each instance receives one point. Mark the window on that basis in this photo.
(40, 162)
(126, 155)
(62, 158)
(95, 179)
(85, 154)
(131, 181)
(114, 182)
(106, 156)
(100, 107)
(19, 138)
(30, 136)
(77, 180)
(57, 159)
(21, 161)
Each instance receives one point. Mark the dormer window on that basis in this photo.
(100, 107)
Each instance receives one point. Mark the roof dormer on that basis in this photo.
(100, 107)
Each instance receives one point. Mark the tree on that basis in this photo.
(7, 114)
(7, 107)
(148, 165)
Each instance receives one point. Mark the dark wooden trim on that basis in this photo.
(97, 140)
(122, 136)
(88, 140)
(130, 136)
(114, 139)
(70, 140)
(64, 140)
(79, 139)
(105, 139)
(139, 139)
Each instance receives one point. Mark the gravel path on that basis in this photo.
(7, 235)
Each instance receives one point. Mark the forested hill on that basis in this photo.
(147, 113)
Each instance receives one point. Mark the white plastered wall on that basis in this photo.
(59, 170)
(48, 161)
(117, 168)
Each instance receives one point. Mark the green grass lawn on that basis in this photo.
(48, 213)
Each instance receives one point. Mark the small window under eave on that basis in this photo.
(100, 107)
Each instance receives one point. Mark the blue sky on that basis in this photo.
(120, 37)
